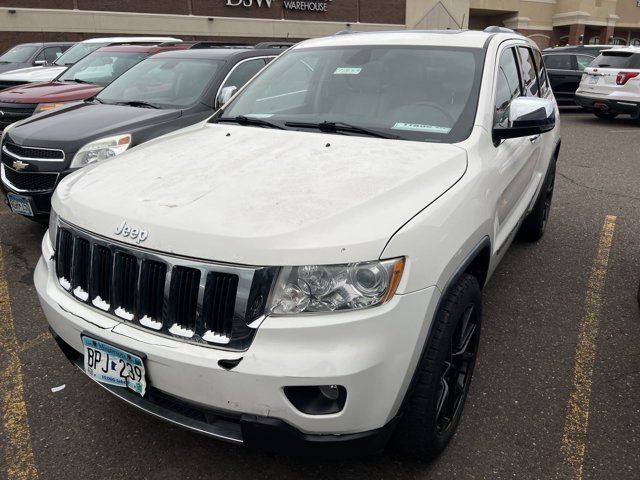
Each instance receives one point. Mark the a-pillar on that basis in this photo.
(575, 31)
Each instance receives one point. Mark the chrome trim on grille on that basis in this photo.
(31, 159)
(253, 287)
(6, 181)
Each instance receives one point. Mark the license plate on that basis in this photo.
(108, 364)
(20, 205)
(593, 79)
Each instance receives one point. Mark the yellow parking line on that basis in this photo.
(577, 421)
(19, 460)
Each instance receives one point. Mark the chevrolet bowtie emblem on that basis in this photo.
(18, 165)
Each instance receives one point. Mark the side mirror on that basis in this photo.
(40, 63)
(527, 116)
(225, 94)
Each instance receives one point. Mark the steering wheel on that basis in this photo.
(435, 106)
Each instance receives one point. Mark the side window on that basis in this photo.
(508, 85)
(542, 73)
(529, 74)
(243, 72)
(558, 62)
(51, 54)
(583, 61)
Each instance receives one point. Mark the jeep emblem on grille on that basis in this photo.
(19, 166)
(134, 233)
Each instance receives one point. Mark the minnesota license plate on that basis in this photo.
(593, 79)
(108, 364)
(20, 205)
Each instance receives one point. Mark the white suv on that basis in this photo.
(610, 85)
(303, 272)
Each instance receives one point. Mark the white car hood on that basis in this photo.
(33, 74)
(258, 196)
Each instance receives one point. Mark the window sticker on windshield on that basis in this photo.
(418, 127)
(347, 71)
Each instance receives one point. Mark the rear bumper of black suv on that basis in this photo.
(606, 105)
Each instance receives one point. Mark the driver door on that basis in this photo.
(516, 159)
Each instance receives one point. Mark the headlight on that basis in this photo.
(330, 288)
(44, 107)
(53, 227)
(101, 150)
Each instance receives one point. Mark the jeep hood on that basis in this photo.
(33, 74)
(258, 196)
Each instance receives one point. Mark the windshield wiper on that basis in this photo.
(77, 80)
(342, 127)
(138, 103)
(243, 120)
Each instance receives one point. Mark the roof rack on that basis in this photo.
(215, 44)
(274, 45)
(497, 29)
(346, 32)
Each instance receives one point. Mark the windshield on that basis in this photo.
(413, 93)
(18, 54)
(101, 67)
(617, 60)
(78, 51)
(163, 82)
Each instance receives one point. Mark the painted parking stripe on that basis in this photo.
(577, 420)
(19, 462)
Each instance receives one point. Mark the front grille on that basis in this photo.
(28, 181)
(197, 302)
(31, 153)
(12, 112)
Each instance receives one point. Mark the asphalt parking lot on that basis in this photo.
(556, 392)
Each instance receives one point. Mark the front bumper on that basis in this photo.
(606, 104)
(372, 353)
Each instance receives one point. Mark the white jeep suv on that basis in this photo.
(610, 85)
(303, 272)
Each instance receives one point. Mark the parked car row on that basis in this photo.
(163, 93)
(294, 257)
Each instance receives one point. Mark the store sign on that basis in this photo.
(309, 6)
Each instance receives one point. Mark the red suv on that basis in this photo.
(79, 82)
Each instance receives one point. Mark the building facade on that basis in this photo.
(548, 22)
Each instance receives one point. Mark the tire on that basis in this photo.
(432, 413)
(534, 226)
(605, 115)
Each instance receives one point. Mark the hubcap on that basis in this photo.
(456, 375)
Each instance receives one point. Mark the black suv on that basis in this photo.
(161, 94)
(565, 66)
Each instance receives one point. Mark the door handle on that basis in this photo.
(534, 138)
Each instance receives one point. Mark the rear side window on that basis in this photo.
(617, 60)
(558, 62)
(508, 86)
(529, 75)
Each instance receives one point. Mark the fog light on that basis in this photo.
(331, 392)
(317, 400)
